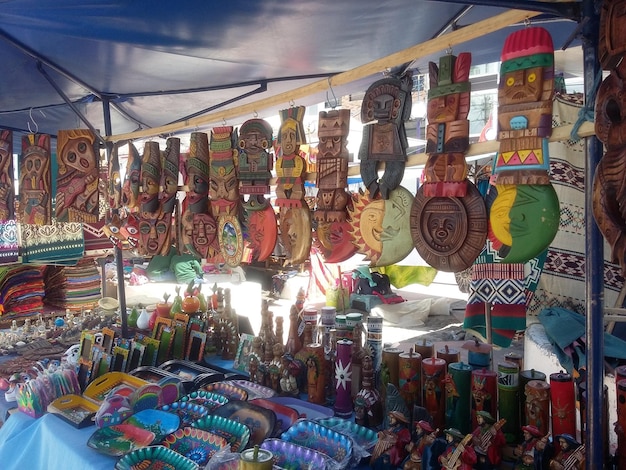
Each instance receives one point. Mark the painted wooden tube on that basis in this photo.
(424, 348)
(620, 426)
(509, 400)
(343, 379)
(449, 354)
(391, 358)
(484, 393)
(515, 358)
(315, 364)
(562, 404)
(375, 340)
(433, 396)
(537, 405)
(458, 385)
(409, 378)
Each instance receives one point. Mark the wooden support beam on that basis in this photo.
(410, 54)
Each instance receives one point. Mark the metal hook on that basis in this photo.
(292, 103)
(449, 50)
(30, 115)
(255, 114)
(335, 100)
(527, 22)
(224, 123)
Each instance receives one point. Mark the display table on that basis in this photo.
(46, 443)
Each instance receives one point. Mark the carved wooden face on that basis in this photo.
(254, 142)
(130, 230)
(443, 108)
(149, 188)
(130, 190)
(334, 241)
(154, 234)
(224, 189)
(78, 154)
(5, 149)
(262, 232)
(33, 168)
(332, 132)
(288, 137)
(204, 231)
(521, 86)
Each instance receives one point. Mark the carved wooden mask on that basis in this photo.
(130, 188)
(169, 175)
(150, 179)
(77, 180)
(224, 185)
(35, 180)
(7, 188)
(255, 157)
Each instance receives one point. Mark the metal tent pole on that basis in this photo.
(594, 266)
(119, 261)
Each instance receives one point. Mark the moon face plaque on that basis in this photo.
(449, 232)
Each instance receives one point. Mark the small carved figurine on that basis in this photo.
(570, 454)
(419, 447)
(488, 440)
(390, 450)
(530, 452)
(459, 453)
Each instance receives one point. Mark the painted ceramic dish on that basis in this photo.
(236, 434)
(150, 373)
(100, 387)
(304, 408)
(187, 411)
(261, 421)
(207, 399)
(120, 439)
(290, 456)
(195, 444)
(315, 436)
(155, 457)
(285, 415)
(254, 390)
(228, 390)
(159, 422)
(364, 437)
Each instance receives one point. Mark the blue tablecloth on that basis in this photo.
(48, 443)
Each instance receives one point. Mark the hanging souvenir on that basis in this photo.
(154, 225)
(332, 165)
(380, 228)
(230, 239)
(386, 107)
(199, 228)
(223, 183)
(524, 214)
(7, 188)
(35, 180)
(78, 160)
(448, 126)
(8, 224)
(169, 175)
(608, 194)
(333, 241)
(255, 163)
(130, 188)
(114, 182)
(448, 216)
(294, 215)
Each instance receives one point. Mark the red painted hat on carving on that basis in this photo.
(527, 41)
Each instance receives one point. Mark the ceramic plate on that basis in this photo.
(304, 408)
(261, 421)
(186, 369)
(159, 422)
(195, 444)
(155, 457)
(187, 411)
(365, 437)
(315, 436)
(236, 434)
(207, 399)
(228, 390)
(290, 456)
(120, 439)
(285, 415)
(254, 390)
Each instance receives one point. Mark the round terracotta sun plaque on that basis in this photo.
(448, 232)
(231, 239)
(262, 232)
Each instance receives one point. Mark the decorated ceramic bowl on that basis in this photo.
(207, 399)
(315, 436)
(290, 456)
(254, 390)
(187, 411)
(228, 390)
(236, 434)
(120, 439)
(155, 457)
(362, 436)
(195, 444)
(261, 421)
(157, 421)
